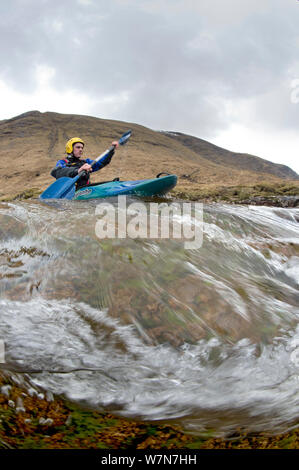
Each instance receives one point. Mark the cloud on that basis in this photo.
(72, 101)
(279, 148)
(14, 102)
(85, 2)
(190, 65)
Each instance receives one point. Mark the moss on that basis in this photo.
(242, 292)
(173, 317)
(26, 194)
(213, 193)
(239, 193)
(73, 427)
(266, 253)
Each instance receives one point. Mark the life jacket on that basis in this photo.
(84, 180)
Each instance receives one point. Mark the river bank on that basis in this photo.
(264, 194)
(283, 194)
(34, 419)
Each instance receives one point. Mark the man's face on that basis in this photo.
(78, 150)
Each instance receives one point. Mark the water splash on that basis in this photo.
(149, 330)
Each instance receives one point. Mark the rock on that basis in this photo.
(20, 406)
(49, 396)
(5, 390)
(32, 392)
(45, 422)
(68, 420)
(276, 201)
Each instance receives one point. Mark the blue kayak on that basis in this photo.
(144, 188)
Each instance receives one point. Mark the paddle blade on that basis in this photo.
(124, 138)
(70, 193)
(59, 188)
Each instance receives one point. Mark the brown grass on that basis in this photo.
(32, 143)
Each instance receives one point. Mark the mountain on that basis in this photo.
(242, 161)
(32, 142)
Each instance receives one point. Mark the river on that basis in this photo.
(144, 328)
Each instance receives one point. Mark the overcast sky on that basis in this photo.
(223, 70)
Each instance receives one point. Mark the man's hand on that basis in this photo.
(85, 167)
(115, 144)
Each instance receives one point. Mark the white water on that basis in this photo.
(146, 329)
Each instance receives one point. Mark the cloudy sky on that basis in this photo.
(223, 70)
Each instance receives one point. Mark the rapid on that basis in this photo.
(147, 329)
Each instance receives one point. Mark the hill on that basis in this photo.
(242, 161)
(32, 142)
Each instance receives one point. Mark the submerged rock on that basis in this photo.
(276, 201)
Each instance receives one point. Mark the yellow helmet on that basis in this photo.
(71, 142)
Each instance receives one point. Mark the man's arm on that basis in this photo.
(104, 160)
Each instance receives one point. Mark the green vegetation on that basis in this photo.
(271, 193)
(26, 194)
(54, 423)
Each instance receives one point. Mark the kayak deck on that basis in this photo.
(147, 187)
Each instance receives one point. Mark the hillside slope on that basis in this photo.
(32, 142)
(242, 161)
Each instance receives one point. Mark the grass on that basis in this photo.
(203, 169)
(261, 193)
(26, 194)
(239, 193)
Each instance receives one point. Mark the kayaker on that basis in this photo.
(74, 164)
